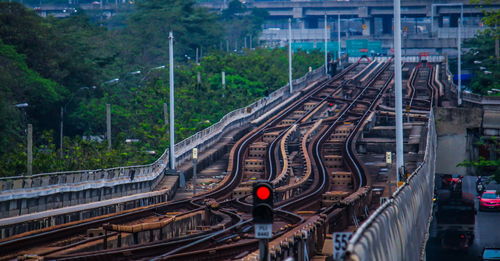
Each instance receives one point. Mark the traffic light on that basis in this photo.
(262, 203)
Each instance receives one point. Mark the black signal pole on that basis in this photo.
(263, 216)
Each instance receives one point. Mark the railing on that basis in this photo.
(409, 58)
(398, 230)
(66, 181)
(452, 32)
(479, 99)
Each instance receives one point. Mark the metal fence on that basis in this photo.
(398, 230)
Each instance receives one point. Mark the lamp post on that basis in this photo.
(398, 91)
(338, 38)
(326, 45)
(29, 143)
(61, 127)
(290, 54)
(171, 75)
(459, 44)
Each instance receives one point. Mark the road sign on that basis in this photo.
(340, 241)
(195, 153)
(263, 230)
(388, 157)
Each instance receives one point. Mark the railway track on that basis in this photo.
(306, 150)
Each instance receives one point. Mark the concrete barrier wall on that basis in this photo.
(27, 194)
(398, 230)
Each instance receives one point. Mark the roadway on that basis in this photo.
(486, 231)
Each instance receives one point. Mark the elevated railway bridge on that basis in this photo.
(324, 147)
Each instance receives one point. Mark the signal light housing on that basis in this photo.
(263, 203)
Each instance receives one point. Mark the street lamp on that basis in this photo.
(29, 143)
(22, 105)
(338, 39)
(290, 55)
(459, 43)
(398, 91)
(112, 81)
(158, 67)
(63, 108)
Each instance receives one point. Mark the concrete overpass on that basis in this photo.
(427, 25)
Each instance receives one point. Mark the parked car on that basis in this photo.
(490, 199)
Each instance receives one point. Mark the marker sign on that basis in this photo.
(340, 241)
(263, 230)
(388, 157)
(195, 153)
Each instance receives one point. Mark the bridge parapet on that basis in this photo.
(402, 222)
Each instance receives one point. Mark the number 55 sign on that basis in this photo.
(340, 241)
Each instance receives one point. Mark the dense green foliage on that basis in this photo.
(481, 57)
(46, 62)
(486, 167)
(482, 61)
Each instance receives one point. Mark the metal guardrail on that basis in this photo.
(408, 59)
(56, 182)
(398, 230)
(479, 99)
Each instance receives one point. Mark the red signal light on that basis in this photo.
(462, 236)
(263, 193)
(330, 104)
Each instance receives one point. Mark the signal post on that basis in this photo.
(263, 215)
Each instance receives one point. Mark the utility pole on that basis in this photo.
(250, 42)
(223, 76)
(338, 38)
(172, 129)
(197, 57)
(30, 150)
(459, 62)
(108, 124)
(459, 44)
(290, 54)
(326, 46)
(61, 136)
(398, 91)
(195, 161)
(165, 113)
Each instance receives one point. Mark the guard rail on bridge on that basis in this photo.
(398, 230)
(28, 194)
(479, 99)
(408, 58)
